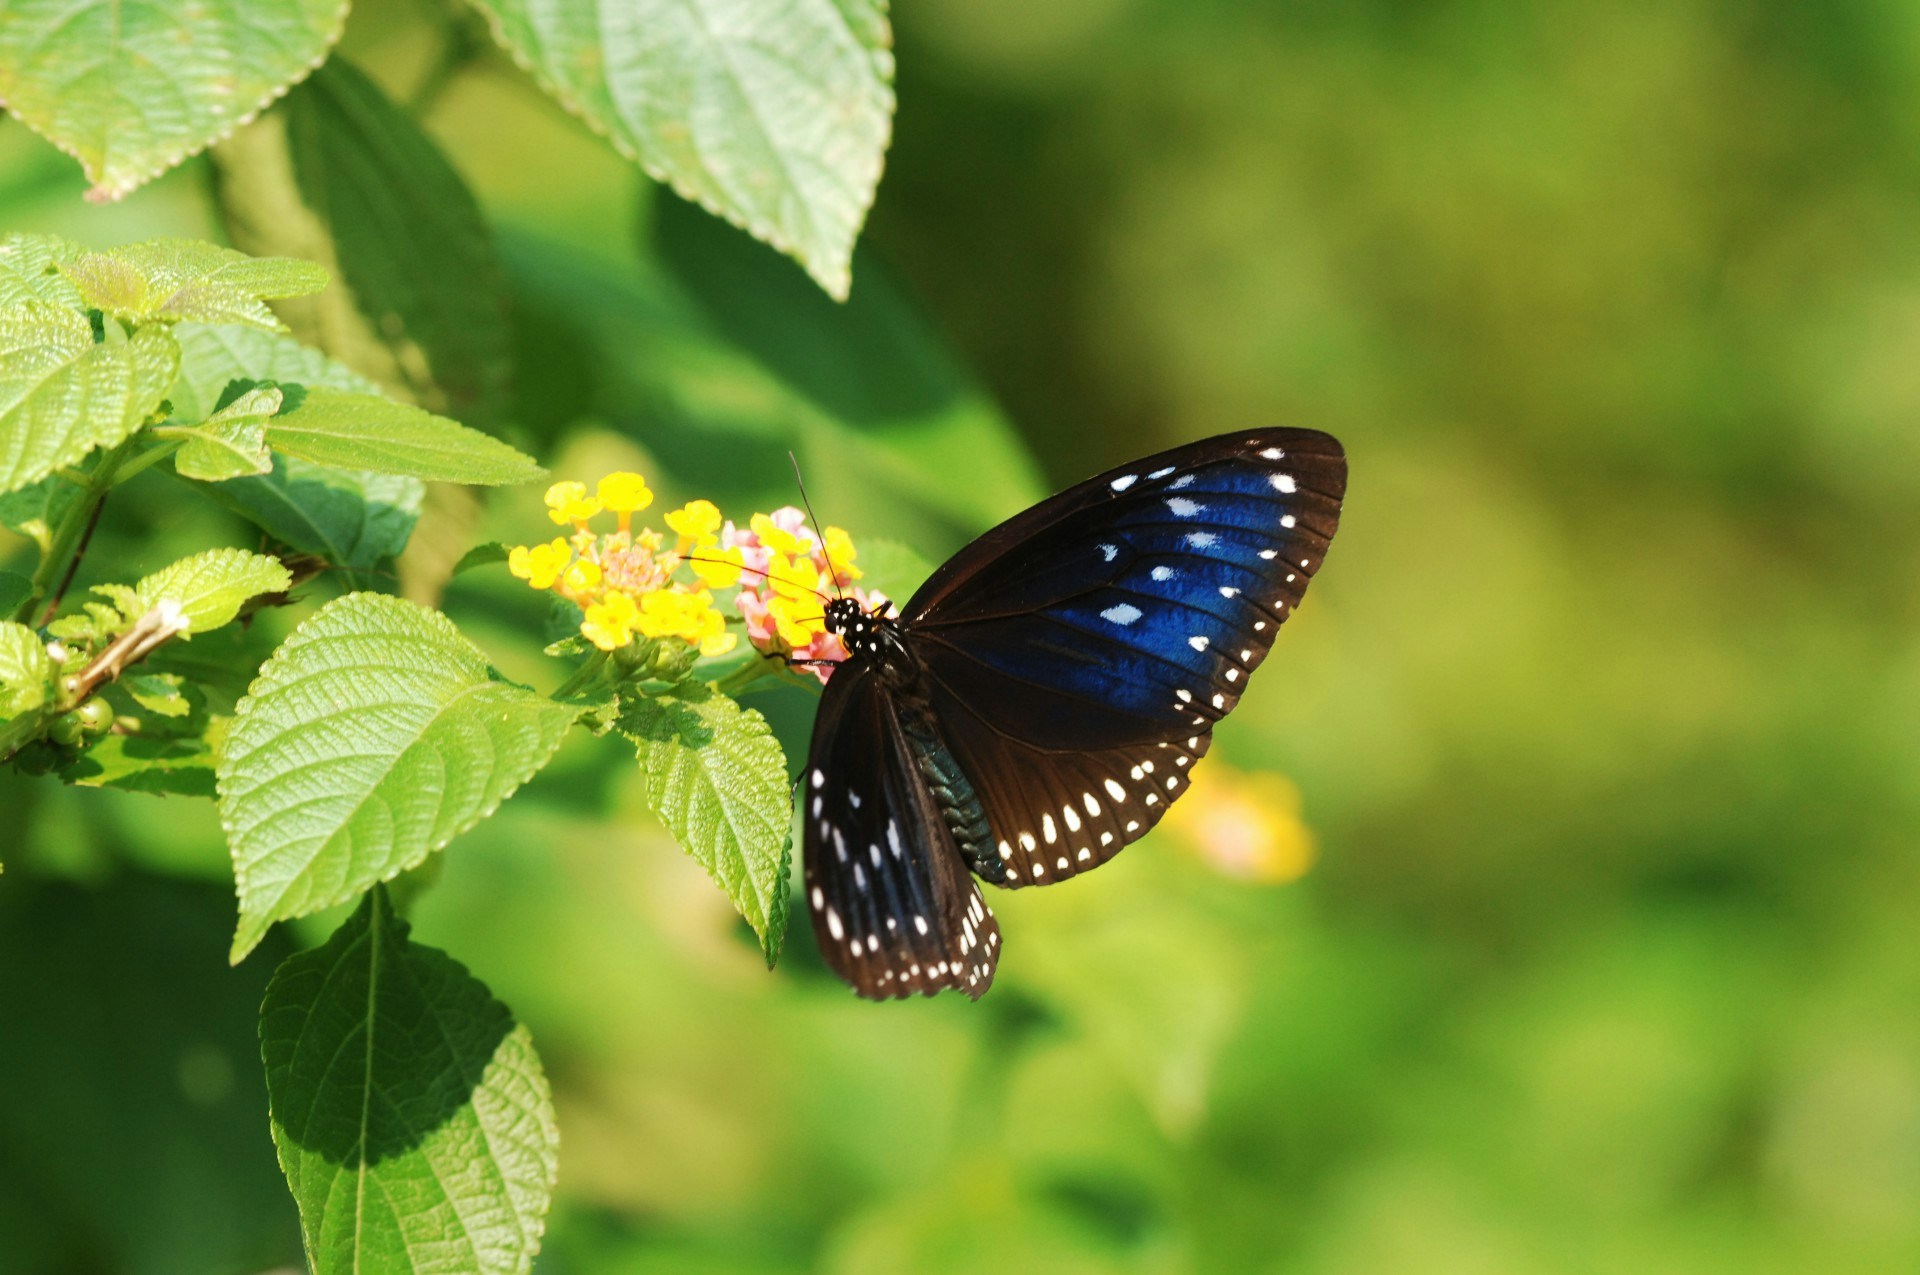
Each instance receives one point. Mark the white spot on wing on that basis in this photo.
(1072, 817)
(1115, 791)
(1123, 482)
(1197, 642)
(1162, 573)
(1201, 539)
(1047, 830)
(1273, 453)
(1109, 552)
(1228, 591)
(1184, 508)
(1287, 520)
(1284, 483)
(834, 927)
(819, 778)
(1121, 613)
(1184, 480)
(1161, 473)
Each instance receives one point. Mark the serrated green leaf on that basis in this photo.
(181, 279)
(717, 778)
(26, 673)
(180, 766)
(232, 443)
(211, 587)
(374, 736)
(353, 519)
(365, 431)
(774, 115)
(411, 1114)
(161, 693)
(62, 394)
(409, 239)
(30, 270)
(131, 90)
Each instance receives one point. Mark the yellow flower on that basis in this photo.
(714, 638)
(539, 565)
(1244, 825)
(841, 553)
(672, 613)
(696, 520)
(609, 623)
(569, 503)
(776, 537)
(792, 577)
(582, 577)
(720, 569)
(797, 620)
(624, 493)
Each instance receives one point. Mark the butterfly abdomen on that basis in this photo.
(960, 806)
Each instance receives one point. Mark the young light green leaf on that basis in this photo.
(178, 279)
(231, 443)
(366, 431)
(411, 1114)
(130, 90)
(374, 736)
(774, 115)
(213, 356)
(408, 237)
(30, 270)
(62, 394)
(162, 693)
(210, 588)
(26, 672)
(717, 778)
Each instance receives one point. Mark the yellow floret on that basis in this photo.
(841, 553)
(624, 492)
(720, 569)
(569, 503)
(609, 624)
(697, 520)
(776, 537)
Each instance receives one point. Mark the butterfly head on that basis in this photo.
(863, 632)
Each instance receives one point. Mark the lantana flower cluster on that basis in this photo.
(638, 582)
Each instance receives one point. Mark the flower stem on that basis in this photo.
(583, 677)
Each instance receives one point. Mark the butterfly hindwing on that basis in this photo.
(894, 908)
(1078, 656)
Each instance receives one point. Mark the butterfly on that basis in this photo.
(1041, 700)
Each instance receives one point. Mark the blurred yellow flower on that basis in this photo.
(1244, 824)
(582, 577)
(719, 568)
(539, 565)
(624, 493)
(569, 503)
(793, 577)
(841, 553)
(797, 620)
(697, 521)
(610, 622)
(777, 538)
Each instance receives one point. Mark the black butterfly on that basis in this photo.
(1038, 703)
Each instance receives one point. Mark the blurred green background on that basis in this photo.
(1604, 713)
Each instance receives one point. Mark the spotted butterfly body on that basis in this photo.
(1041, 700)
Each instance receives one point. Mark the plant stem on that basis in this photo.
(584, 676)
(68, 541)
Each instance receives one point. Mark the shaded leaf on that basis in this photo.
(181, 766)
(368, 432)
(14, 589)
(35, 509)
(161, 693)
(178, 279)
(374, 736)
(131, 90)
(62, 394)
(774, 115)
(717, 778)
(410, 1111)
(211, 587)
(231, 443)
(491, 554)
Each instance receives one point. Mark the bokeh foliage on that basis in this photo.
(1603, 713)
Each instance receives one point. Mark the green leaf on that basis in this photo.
(353, 519)
(717, 778)
(774, 115)
(231, 443)
(211, 587)
(37, 508)
(490, 554)
(161, 693)
(891, 567)
(177, 279)
(408, 237)
(374, 736)
(412, 1117)
(14, 589)
(62, 394)
(130, 90)
(30, 270)
(181, 766)
(366, 431)
(25, 671)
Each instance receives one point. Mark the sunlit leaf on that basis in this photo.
(210, 588)
(130, 90)
(178, 279)
(25, 671)
(412, 1117)
(774, 114)
(717, 778)
(62, 394)
(231, 443)
(369, 432)
(30, 270)
(181, 766)
(374, 736)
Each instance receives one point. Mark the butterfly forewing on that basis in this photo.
(1078, 656)
(893, 906)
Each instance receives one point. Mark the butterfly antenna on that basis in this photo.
(766, 575)
(813, 518)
